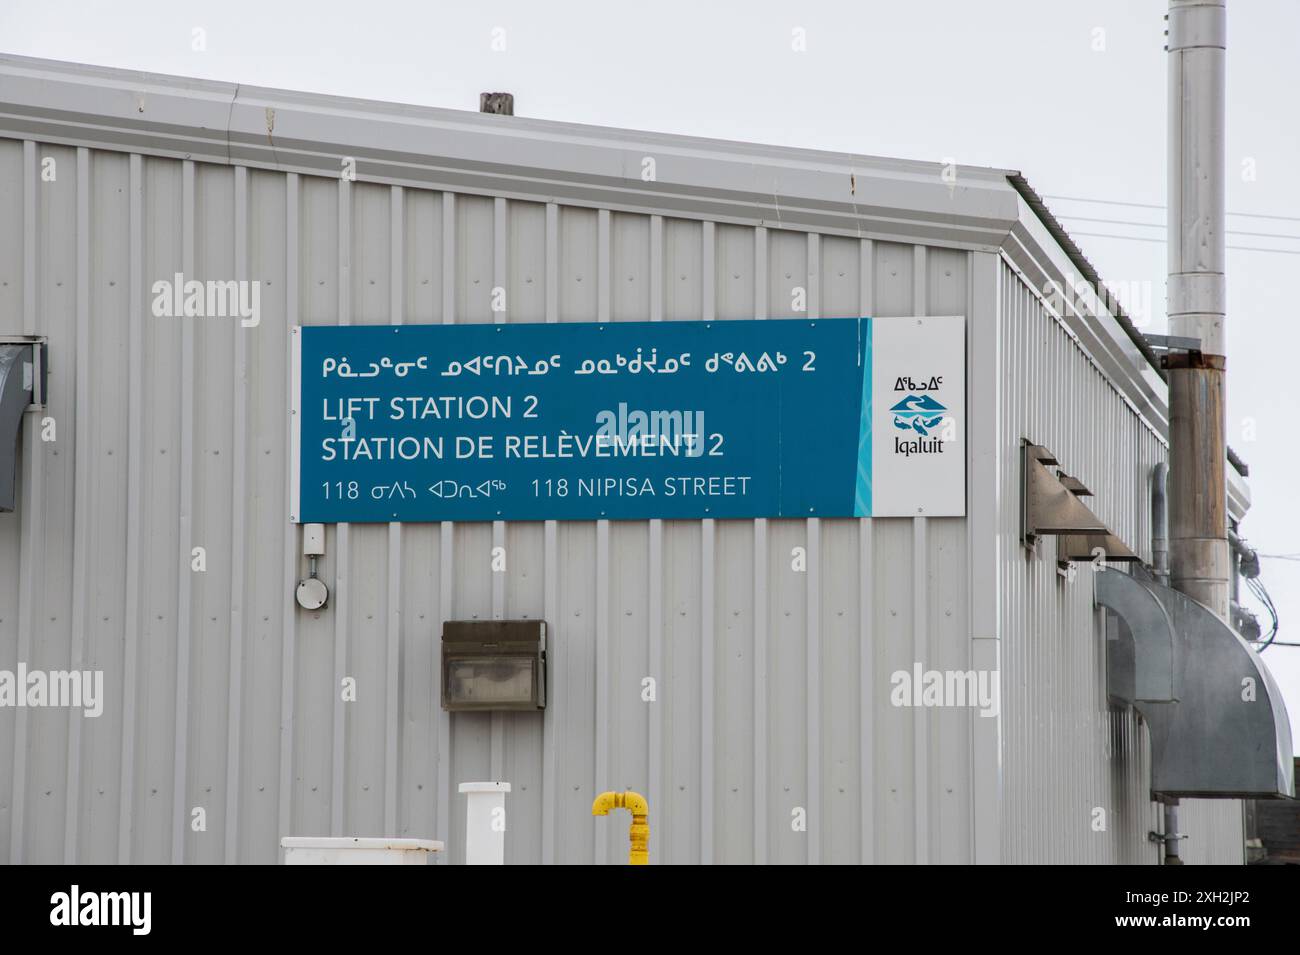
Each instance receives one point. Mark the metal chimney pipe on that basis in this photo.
(1198, 510)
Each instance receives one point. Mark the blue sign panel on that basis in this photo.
(628, 420)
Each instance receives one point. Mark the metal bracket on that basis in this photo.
(1168, 343)
(1050, 503)
(1085, 546)
(22, 387)
(1244, 622)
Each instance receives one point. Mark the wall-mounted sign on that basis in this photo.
(629, 420)
(918, 387)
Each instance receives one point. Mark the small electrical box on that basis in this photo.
(313, 540)
(494, 665)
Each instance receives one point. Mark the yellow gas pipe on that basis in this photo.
(636, 804)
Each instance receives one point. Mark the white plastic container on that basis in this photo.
(354, 850)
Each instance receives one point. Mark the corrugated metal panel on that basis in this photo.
(1215, 832)
(1073, 764)
(773, 684)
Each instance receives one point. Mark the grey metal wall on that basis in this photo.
(772, 683)
(1067, 754)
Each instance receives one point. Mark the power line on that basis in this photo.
(1139, 238)
(1108, 202)
(1148, 205)
(1131, 238)
(1256, 587)
(1161, 225)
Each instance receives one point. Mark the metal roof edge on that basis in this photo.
(1085, 267)
(473, 153)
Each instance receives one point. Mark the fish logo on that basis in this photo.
(918, 413)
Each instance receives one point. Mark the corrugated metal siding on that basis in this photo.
(1215, 832)
(1067, 754)
(772, 684)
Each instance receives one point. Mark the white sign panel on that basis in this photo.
(918, 412)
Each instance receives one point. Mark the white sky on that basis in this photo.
(1019, 84)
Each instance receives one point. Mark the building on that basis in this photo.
(772, 736)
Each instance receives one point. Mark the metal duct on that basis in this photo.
(1225, 731)
(1140, 644)
(17, 384)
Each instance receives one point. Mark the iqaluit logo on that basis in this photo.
(921, 415)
